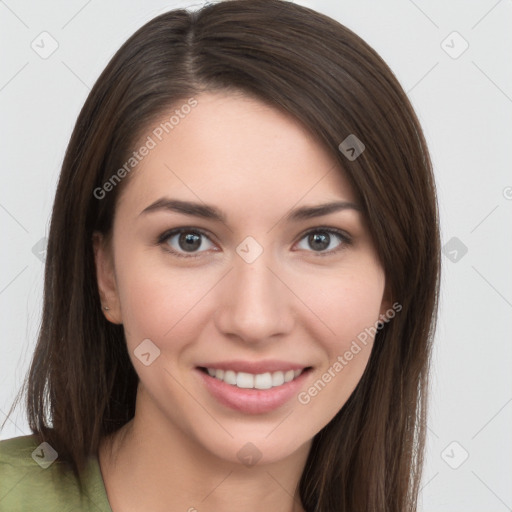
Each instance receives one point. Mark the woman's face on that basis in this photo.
(261, 280)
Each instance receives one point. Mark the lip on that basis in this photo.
(255, 367)
(253, 401)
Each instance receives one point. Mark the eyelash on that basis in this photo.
(344, 238)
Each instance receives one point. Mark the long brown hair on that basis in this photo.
(81, 384)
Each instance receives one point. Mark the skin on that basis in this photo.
(255, 164)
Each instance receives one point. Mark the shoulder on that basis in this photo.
(33, 478)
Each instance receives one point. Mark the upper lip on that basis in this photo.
(255, 367)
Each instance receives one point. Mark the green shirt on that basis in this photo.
(27, 485)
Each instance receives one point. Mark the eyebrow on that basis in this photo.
(211, 212)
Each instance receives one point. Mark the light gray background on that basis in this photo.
(465, 107)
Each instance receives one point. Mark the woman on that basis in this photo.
(241, 280)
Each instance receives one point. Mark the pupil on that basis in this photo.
(190, 241)
(319, 240)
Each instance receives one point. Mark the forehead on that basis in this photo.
(233, 149)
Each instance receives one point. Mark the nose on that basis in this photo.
(254, 304)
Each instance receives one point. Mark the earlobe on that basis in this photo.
(105, 278)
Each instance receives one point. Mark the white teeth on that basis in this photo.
(288, 376)
(246, 380)
(263, 381)
(230, 377)
(277, 378)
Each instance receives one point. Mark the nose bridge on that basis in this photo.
(254, 305)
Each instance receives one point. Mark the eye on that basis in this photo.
(186, 242)
(324, 241)
(191, 242)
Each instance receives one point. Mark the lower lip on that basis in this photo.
(252, 401)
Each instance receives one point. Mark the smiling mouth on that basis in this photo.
(246, 380)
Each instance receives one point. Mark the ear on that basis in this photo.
(105, 275)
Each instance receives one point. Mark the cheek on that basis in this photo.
(347, 303)
(159, 302)
(348, 307)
